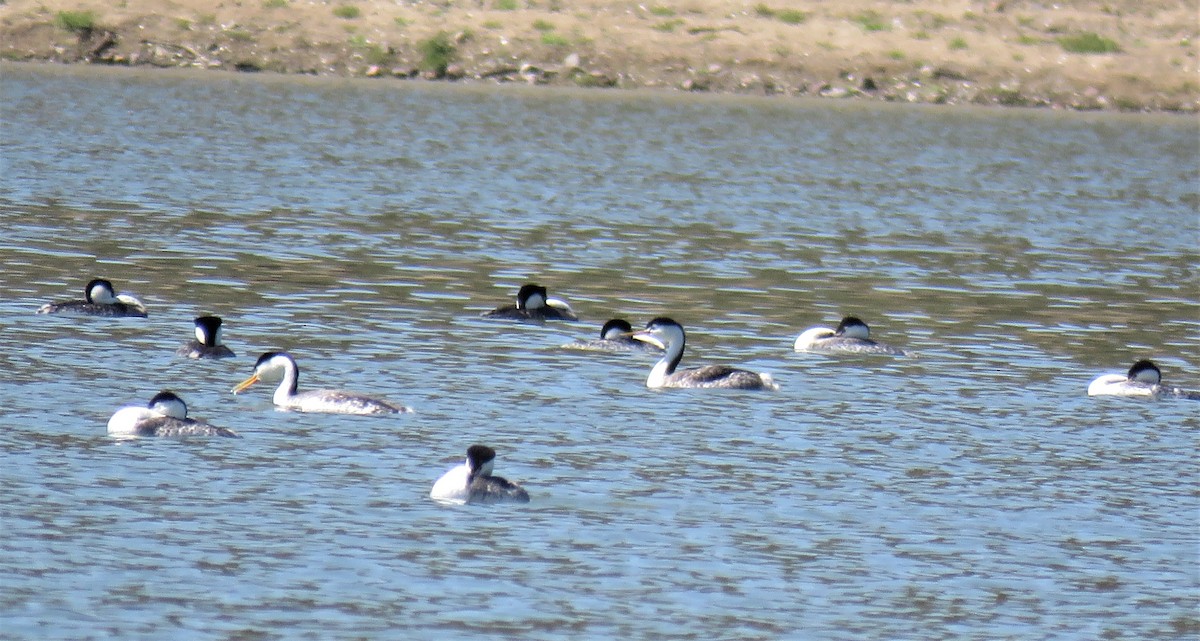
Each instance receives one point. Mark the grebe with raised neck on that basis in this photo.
(327, 401)
(669, 336)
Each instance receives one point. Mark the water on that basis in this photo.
(973, 492)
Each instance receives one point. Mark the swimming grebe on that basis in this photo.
(614, 337)
(164, 415)
(472, 481)
(324, 401)
(851, 336)
(534, 304)
(1143, 379)
(668, 335)
(99, 300)
(208, 340)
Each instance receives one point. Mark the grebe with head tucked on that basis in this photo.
(668, 335)
(164, 415)
(472, 481)
(208, 340)
(1144, 379)
(851, 336)
(614, 337)
(324, 401)
(533, 304)
(99, 300)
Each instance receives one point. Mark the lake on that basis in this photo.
(971, 491)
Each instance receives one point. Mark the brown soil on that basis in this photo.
(1010, 52)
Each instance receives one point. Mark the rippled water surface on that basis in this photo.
(970, 492)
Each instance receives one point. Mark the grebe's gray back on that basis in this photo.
(669, 336)
(324, 401)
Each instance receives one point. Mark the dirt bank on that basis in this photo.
(1122, 54)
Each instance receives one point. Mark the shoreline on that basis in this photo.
(1122, 56)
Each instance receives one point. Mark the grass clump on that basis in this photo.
(792, 16)
(401, 21)
(183, 24)
(958, 44)
(871, 20)
(437, 52)
(554, 39)
(787, 16)
(275, 4)
(542, 25)
(505, 5)
(668, 26)
(661, 11)
(1088, 42)
(76, 21)
(347, 11)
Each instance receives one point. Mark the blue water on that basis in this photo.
(971, 492)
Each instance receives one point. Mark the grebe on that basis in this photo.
(325, 401)
(1143, 379)
(99, 300)
(668, 335)
(534, 304)
(164, 415)
(614, 337)
(851, 336)
(472, 482)
(208, 340)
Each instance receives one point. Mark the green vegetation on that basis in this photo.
(76, 21)
(347, 11)
(1088, 42)
(275, 4)
(668, 26)
(896, 54)
(437, 53)
(372, 52)
(792, 16)
(788, 16)
(183, 24)
(239, 35)
(871, 20)
(1029, 40)
(554, 39)
(958, 44)
(542, 25)
(401, 21)
(505, 5)
(206, 19)
(492, 24)
(661, 11)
